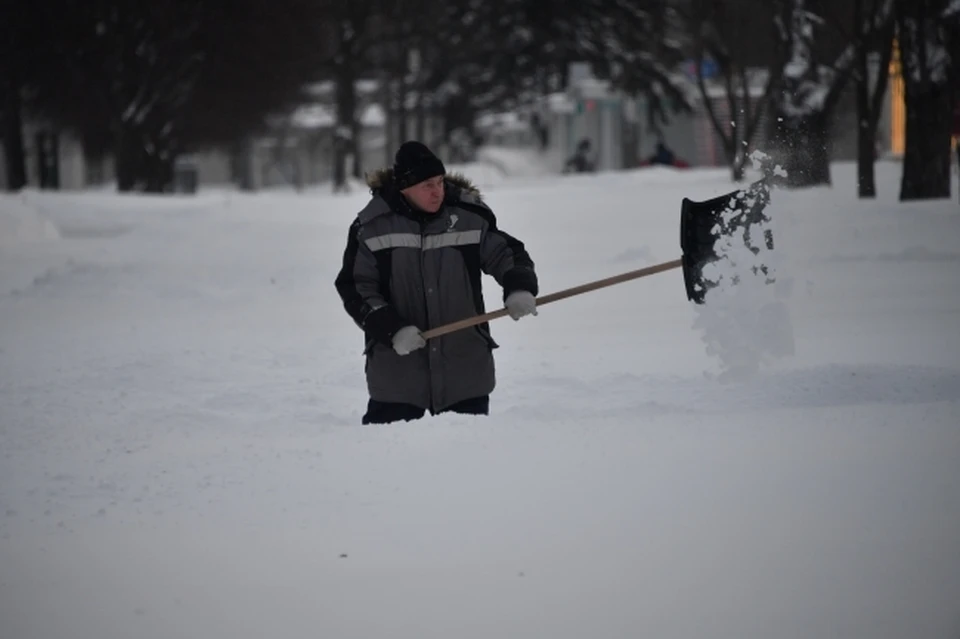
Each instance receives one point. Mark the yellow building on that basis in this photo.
(898, 106)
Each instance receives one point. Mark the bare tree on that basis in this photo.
(713, 27)
(875, 24)
(924, 32)
(128, 72)
(21, 63)
(11, 128)
(481, 55)
(146, 83)
(814, 76)
(410, 40)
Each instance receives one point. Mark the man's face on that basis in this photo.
(427, 195)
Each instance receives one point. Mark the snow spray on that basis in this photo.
(744, 320)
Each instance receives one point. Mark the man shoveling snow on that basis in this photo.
(414, 260)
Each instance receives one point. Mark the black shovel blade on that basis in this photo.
(702, 224)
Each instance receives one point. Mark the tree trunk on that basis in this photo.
(345, 129)
(421, 117)
(402, 116)
(242, 165)
(356, 144)
(924, 45)
(457, 113)
(866, 125)
(630, 143)
(339, 162)
(955, 83)
(127, 159)
(866, 158)
(140, 169)
(869, 107)
(736, 158)
(16, 165)
(803, 143)
(737, 169)
(355, 147)
(158, 174)
(926, 159)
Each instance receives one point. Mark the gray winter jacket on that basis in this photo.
(403, 266)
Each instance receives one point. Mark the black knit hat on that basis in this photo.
(415, 163)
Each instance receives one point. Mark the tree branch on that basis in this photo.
(883, 76)
(732, 108)
(708, 104)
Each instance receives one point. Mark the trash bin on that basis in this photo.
(186, 176)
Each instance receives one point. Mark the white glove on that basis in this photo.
(520, 303)
(407, 340)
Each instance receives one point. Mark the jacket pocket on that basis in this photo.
(487, 337)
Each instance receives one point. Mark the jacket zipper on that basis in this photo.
(423, 274)
(423, 292)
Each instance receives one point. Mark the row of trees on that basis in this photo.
(817, 50)
(147, 82)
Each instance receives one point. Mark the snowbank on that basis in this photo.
(181, 452)
(518, 163)
(22, 222)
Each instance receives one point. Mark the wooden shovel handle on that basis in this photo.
(553, 297)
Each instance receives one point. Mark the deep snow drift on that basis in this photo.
(181, 454)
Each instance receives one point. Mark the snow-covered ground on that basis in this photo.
(181, 454)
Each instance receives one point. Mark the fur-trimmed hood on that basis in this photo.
(381, 178)
(460, 191)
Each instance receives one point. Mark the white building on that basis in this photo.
(621, 136)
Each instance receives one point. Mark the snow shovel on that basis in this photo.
(702, 224)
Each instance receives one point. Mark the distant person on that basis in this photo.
(663, 155)
(413, 261)
(956, 127)
(580, 161)
(540, 130)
